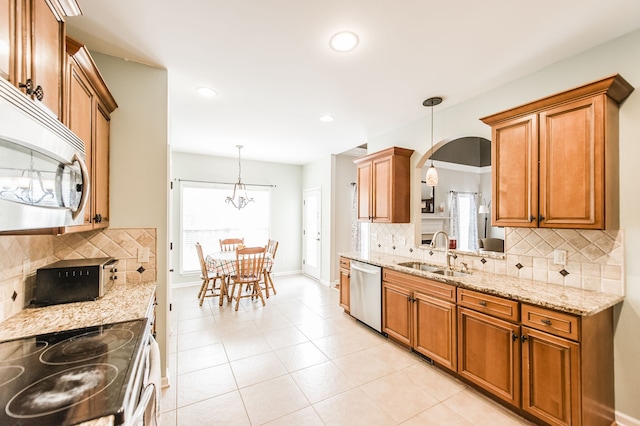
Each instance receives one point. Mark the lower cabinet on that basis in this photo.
(421, 314)
(345, 280)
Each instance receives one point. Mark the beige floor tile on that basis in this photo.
(243, 347)
(393, 354)
(199, 358)
(322, 381)
(342, 344)
(480, 410)
(283, 337)
(196, 339)
(437, 383)
(257, 368)
(437, 415)
(195, 324)
(226, 409)
(300, 356)
(169, 419)
(305, 417)
(362, 367)
(204, 384)
(352, 408)
(319, 329)
(272, 399)
(401, 400)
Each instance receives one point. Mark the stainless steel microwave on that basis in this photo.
(43, 177)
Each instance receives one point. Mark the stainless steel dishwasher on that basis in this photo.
(366, 294)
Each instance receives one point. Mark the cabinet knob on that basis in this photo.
(514, 336)
(531, 218)
(540, 218)
(546, 321)
(523, 338)
(97, 218)
(38, 92)
(482, 303)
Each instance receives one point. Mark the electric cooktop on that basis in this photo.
(68, 377)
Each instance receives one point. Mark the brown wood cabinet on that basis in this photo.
(345, 281)
(88, 105)
(7, 37)
(384, 186)
(421, 314)
(555, 160)
(489, 344)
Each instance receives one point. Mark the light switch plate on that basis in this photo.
(559, 257)
(143, 254)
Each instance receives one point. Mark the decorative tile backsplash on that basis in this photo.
(21, 256)
(594, 258)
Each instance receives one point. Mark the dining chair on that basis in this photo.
(249, 271)
(208, 287)
(230, 244)
(272, 247)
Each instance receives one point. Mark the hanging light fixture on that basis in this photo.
(240, 198)
(432, 174)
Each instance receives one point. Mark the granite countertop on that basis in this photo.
(565, 299)
(123, 302)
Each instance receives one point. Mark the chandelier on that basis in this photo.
(240, 198)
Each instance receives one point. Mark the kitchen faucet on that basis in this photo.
(446, 246)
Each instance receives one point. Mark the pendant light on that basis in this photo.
(240, 198)
(432, 174)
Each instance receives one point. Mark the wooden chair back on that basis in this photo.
(203, 265)
(230, 244)
(249, 264)
(272, 247)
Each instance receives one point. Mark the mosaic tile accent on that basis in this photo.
(21, 256)
(594, 258)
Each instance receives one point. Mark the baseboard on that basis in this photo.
(625, 420)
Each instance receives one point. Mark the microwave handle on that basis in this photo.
(85, 186)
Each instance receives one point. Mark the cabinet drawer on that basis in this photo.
(423, 285)
(491, 305)
(345, 263)
(556, 323)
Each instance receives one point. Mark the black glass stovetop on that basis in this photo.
(68, 377)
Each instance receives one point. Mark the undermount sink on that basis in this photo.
(425, 267)
(451, 273)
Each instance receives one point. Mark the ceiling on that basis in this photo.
(275, 74)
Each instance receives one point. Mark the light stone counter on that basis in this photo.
(123, 302)
(566, 299)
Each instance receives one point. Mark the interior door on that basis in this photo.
(311, 232)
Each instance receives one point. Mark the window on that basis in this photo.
(206, 218)
(464, 221)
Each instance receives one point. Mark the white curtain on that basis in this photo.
(355, 225)
(464, 220)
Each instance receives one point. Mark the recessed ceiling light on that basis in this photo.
(326, 118)
(206, 91)
(344, 41)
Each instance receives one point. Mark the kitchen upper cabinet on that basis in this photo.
(7, 37)
(88, 105)
(555, 160)
(421, 314)
(345, 281)
(384, 186)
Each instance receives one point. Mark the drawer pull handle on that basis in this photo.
(483, 303)
(546, 321)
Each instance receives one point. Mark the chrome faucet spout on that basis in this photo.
(446, 245)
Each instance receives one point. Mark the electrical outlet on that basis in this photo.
(143, 254)
(560, 257)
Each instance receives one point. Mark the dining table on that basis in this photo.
(224, 262)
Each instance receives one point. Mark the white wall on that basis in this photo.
(286, 201)
(619, 56)
(344, 174)
(139, 163)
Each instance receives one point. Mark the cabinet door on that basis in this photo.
(46, 53)
(364, 191)
(345, 282)
(396, 312)
(101, 167)
(434, 330)
(550, 377)
(489, 354)
(572, 165)
(7, 41)
(79, 110)
(514, 156)
(382, 191)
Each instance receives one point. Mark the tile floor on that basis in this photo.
(301, 361)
